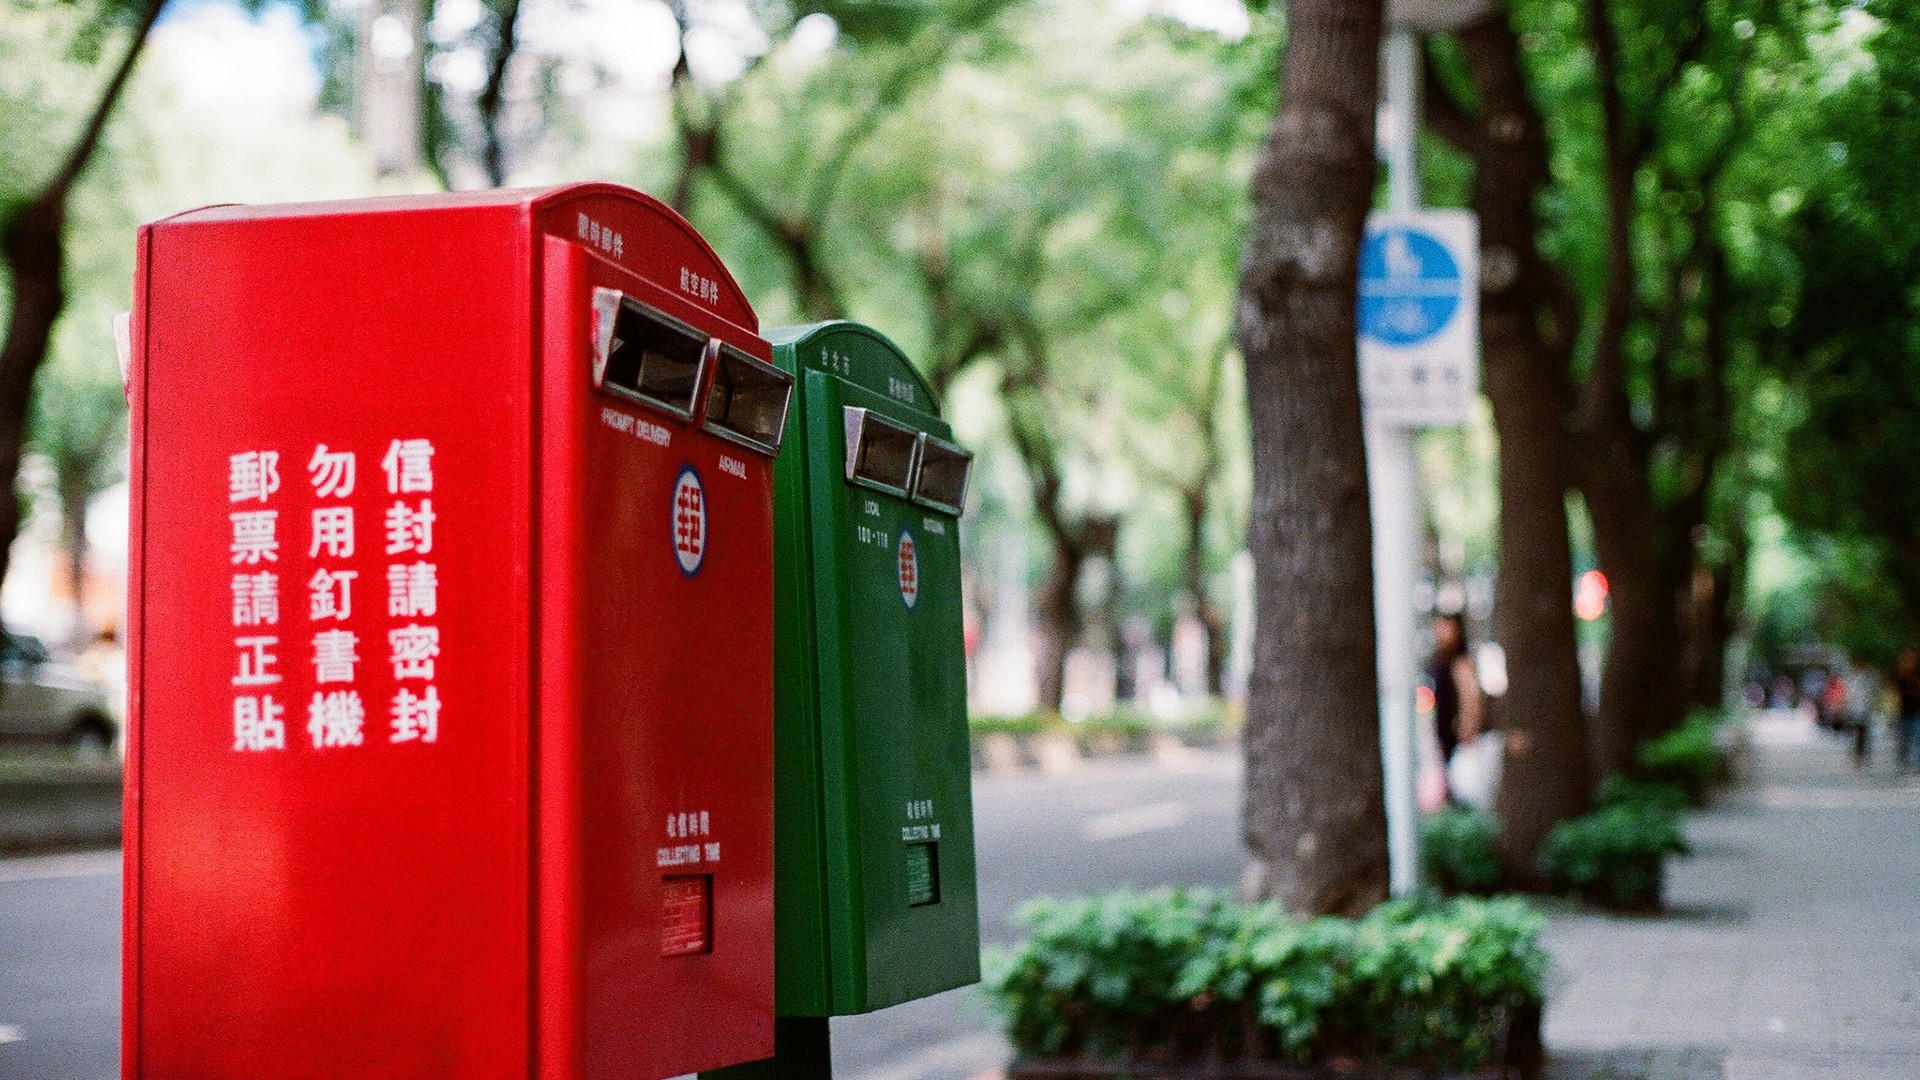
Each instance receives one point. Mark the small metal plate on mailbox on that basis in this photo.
(923, 874)
(686, 916)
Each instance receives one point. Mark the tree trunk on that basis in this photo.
(1638, 691)
(1713, 588)
(1099, 537)
(1709, 625)
(74, 495)
(1212, 620)
(493, 96)
(33, 244)
(1314, 815)
(1219, 644)
(819, 295)
(1058, 606)
(1546, 778)
(699, 136)
(1707, 672)
(1639, 697)
(36, 255)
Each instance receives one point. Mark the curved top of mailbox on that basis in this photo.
(870, 360)
(627, 227)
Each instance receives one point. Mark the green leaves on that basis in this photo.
(1621, 791)
(1688, 758)
(1429, 973)
(1457, 850)
(1614, 855)
(871, 22)
(1094, 967)
(1149, 972)
(1847, 476)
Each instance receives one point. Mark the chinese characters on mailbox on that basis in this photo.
(338, 630)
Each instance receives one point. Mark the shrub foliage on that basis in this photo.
(1192, 972)
(1688, 757)
(1457, 851)
(1615, 855)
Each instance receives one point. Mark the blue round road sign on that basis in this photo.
(1409, 286)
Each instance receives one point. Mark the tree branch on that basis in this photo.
(493, 95)
(907, 71)
(1605, 388)
(62, 181)
(32, 240)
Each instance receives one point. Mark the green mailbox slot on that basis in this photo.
(874, 899)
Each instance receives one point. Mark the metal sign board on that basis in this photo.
(1420, 317)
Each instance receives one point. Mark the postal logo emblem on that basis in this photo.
(689, 521)
(909, 560)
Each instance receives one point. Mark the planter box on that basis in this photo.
(1652, 902)
(1518, 1055)
(1107, 1069)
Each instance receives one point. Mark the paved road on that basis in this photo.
(1109, 823)
(60, 967)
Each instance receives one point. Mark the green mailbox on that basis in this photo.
(874, 900)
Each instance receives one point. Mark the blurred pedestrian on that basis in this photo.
(1858, 698)
(1457, 702)
(1830, 704)
(1906, 683)
(1786, 693)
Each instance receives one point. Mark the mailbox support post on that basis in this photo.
(801, 1051)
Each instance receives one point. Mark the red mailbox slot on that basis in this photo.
(451, 644)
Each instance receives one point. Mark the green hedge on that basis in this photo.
(1038, 722)
(1688, 757)
(1126, 723)
(1457, 854)
(1421, 983)
(1615, 856)
(1660, 794)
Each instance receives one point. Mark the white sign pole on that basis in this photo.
(1394, 486)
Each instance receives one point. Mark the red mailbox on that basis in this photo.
(451, 649)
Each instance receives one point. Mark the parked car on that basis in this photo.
(44, 700)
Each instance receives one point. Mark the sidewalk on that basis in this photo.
(1793, 946)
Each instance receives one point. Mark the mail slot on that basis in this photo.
(452, 678)
(941, 480)
(749, 400)
(881, 453)
(645, 354)
(875, 898)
